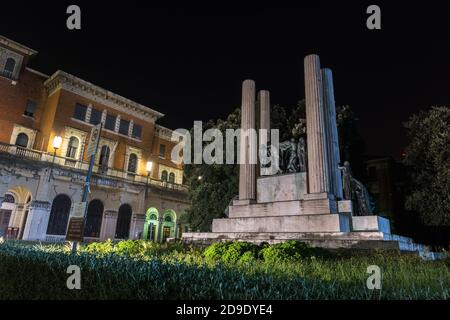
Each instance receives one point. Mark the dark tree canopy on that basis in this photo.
(428, 155)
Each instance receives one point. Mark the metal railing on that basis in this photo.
(107, 172)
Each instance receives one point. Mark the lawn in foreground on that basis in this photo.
(143, 270)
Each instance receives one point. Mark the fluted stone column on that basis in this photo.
(248, 147)
(318, 175)
(332, 133)
(264, 124)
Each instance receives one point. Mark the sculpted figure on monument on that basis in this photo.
(355, 191)
(292, 156)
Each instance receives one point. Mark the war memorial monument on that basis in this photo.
(313, 197)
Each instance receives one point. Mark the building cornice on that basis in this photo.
(63, 80)
(17, 46)
(166, 133)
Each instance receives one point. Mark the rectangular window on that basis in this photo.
(80, 112)
(96, 116)
(137, 131)
(124, 126)
(30, 108)
(162, 151)
(110, 122)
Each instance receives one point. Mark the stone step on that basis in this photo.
(339, 240)
(299, 223)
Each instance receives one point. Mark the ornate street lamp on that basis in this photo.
(57, 141)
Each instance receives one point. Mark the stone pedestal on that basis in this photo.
(371, 223)
(285, 187)
(271, 224)
(37, 221)
(109, 223)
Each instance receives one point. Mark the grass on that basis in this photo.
(153, 271)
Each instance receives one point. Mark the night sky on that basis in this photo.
(189, 62)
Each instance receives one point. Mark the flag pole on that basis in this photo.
(87, 188)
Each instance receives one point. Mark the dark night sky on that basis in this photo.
(189, 63)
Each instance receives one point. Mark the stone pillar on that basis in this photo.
(137, 226)
(264, 124)
(37, 221)
(248, 147)
(332, 134)
(318, 176)
(109, 223)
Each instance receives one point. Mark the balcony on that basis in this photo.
(101, 173)
(6, 74)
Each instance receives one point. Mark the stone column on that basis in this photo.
(332, 133)
(248, 147)
(109, 223)
(37, 221)
(137, 225)
(264, 124)
(318, 176)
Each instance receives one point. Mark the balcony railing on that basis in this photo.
(83, 165)
(6, 73)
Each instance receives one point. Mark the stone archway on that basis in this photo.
(59, 215)
(151, 225)
(169, 223)
(123, 221)
(94, 219)
(14, 212)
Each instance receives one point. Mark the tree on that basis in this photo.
(428, 155)
(212, 187)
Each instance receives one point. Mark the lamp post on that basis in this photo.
(148, 168)
(57, 141)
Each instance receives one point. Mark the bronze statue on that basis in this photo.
(355, 191)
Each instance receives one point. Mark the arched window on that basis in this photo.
(9, 67)
(132, 163)
(104, 156)
(123, 222)
(153, 217)
(94, 219)
(9, 198)
(168, 218)
(72, 147)
(59, 216)
(164, 175)
(172, 177)
(22, 140)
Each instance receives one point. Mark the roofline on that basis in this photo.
(38, 73)
(17, 46)
(61, 78)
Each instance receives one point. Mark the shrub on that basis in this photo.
(231, 252)
(290, 251)
(99, 248)
(132, 248)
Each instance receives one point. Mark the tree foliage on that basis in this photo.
(428, 154)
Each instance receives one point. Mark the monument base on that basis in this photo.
(329, 240)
